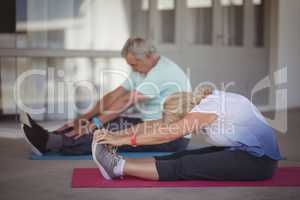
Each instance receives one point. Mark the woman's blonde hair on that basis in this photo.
(179, 104)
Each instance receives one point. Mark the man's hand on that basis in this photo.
(81, 127)
(106, 137)
(66, 126)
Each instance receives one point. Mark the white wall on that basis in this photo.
(243, 66)
(285, 51)
(289, 47)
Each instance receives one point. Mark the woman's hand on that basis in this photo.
(106, 137)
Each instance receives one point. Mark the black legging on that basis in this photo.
(215, 163)
(82, 146)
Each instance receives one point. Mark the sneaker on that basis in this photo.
(105, 160)
(26, 119)
(36, 139)
(35, 135)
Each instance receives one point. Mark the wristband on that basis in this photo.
(97, 122)
(133, 140)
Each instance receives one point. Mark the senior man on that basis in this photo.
(153, 78)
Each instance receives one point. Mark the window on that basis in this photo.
(21, 15)
(166, 21)
(259, 18)
(78, 24)
(140, 18)
(233, 22)
(199, 21)
(78, 80)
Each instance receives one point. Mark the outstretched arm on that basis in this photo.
(141, 128)
(104, 103)
(101, 105)
(121, 105)
(113, 111)
(161, 134)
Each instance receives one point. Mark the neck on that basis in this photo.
(153, 60)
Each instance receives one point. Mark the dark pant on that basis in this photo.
(174, 146)
(214, 163)
(82, 146)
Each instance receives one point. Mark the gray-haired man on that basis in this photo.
(153, 78)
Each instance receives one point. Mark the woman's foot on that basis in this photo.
(110, 164)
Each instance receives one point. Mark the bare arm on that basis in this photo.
(104, 103)
(120, 105)
(141, 128)
(161, 134)
(190, 123)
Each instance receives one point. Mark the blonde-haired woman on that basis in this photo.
(244, 146)
(175, 107)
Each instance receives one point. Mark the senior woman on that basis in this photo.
(244, 146)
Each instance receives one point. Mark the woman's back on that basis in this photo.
(239, 124)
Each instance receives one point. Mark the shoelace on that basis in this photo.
(115, 156)
(112, 150)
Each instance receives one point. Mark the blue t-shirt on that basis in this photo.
(164, 79)
(239, 125)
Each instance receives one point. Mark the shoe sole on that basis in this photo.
(102, 170)
(25, 121)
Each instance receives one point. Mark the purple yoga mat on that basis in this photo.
(91, 178)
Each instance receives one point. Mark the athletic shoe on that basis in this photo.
(35, 135)
(35, 139)
(105, 160)
(26, 119)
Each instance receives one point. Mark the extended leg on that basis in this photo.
(223, 165)
(220, 165)
(144, 168)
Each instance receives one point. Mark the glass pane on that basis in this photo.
(140, 18)
(7, 77)
(80, 24)
(233, 22)
(9, 127)
(32, 88)
(58, 88)
(259, 15)
(166, 21)
(199, 21)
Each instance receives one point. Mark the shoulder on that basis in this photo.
(166, 66)
(166, 62)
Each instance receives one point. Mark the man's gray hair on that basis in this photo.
(139, 47)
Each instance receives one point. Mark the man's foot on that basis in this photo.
(105, 160)
(26, 119)
(35, 135)
(37, 140)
